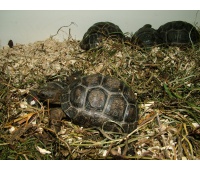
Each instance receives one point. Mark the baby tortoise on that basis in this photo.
(95, 101)
(94, 35)
(178, 33)
(146, 37)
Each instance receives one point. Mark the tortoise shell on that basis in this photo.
(100, 101)
(97, 32)
(146, 37)
(178, 33)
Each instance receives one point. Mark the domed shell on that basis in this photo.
(146, 37)
(178, 33)
(96, 32)
(101, 101)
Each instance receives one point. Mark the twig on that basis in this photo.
(63, 141)
(62, 27)
(163, 139)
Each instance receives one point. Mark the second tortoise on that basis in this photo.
(95, 34)
(178, 33)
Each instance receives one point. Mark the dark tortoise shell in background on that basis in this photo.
(94, 35)
(146, 37)
(178, 33)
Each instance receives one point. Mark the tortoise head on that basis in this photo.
(52, 92)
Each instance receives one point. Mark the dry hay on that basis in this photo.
(166, 81)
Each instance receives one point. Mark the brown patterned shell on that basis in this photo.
(178, 33)
(146, 37)
(96, 32)
(100, 101)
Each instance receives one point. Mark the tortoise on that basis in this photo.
(94, 35)
(146, 37)
(95, 101)
(178, 33)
